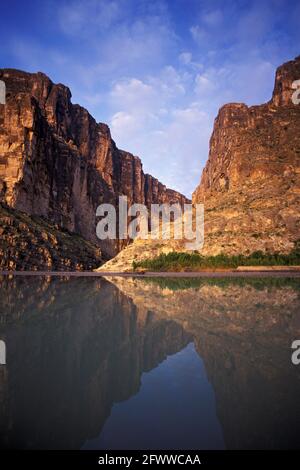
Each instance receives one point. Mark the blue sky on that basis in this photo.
(155, 71)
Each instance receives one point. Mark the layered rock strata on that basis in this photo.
(250, 185)
(57, 162)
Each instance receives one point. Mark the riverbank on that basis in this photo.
(195, 262)
(268, 271)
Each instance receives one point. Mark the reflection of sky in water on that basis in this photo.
(104, 365)
(174, 409)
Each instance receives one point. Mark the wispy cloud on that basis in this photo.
(88, 17)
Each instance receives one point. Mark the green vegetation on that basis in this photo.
(258, 283)
(177, 261)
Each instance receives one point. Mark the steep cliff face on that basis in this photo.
(250, 185)
(56, 161)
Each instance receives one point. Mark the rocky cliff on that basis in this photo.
(250, 185)
(32, 243)
(57, 162)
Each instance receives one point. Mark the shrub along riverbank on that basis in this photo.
(177, 261)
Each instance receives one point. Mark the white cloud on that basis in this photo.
(158, 89)
(123, 125)
(184, 139)
(118, 40)
(167, 119)
(86, 17)
(132, 94)
(151, 119)
(170, 82)
(203, 84)
(199, 34)
(185, 57)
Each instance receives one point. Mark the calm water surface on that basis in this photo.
(149, 363)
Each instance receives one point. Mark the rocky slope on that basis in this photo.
(250, 185)
(142, 249)
(57, 162)
(32, 243)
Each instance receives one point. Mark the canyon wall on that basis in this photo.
(32, 243)
(250, 185)
(57, 162)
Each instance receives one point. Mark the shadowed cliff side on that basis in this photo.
(57, 162)
(31, 243)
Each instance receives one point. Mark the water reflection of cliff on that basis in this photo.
(77, 346)
(74, 347)
(243, 331)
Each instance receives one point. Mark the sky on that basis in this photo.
(156, 71)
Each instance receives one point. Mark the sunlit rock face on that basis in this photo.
(243, 331)
(251, 183)
(250, 186)
(74, 348)
(142, 249)
(56, 161)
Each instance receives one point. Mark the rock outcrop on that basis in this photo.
(57, 162)
(250, 185)
(31, 244)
